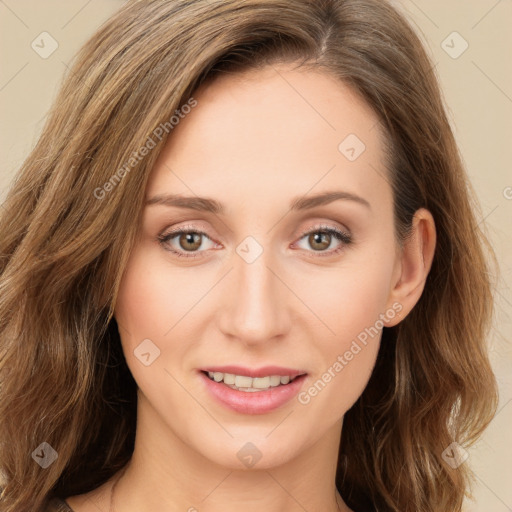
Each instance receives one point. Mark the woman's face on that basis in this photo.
(263, 282)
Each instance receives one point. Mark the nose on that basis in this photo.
(255, 307)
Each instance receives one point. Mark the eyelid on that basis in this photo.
(322, 226)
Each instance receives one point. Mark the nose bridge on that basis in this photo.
(254, 307)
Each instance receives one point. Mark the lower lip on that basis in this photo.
(249, 402)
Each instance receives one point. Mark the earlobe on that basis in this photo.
(413, 264)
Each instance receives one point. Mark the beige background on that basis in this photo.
(478, 91)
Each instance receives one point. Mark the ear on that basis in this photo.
(412, 265)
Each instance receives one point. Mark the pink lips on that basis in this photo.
(258, 402)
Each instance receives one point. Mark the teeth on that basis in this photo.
(260, 383)
(244, 383)
(229, 378)
(275, 380)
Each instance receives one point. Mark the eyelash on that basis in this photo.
(339, 235)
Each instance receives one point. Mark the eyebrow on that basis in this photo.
(206, 204)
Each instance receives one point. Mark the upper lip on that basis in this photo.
(264, 371)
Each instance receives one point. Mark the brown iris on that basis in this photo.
(194, 239)
(316, 238)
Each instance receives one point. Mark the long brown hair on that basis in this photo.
(71, 218)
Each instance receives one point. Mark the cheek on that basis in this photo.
(143, 312)
(346, 359)
(331, 393)
(156, 302)
(351, 303)
(153, 296)
(140, 303)
(350, 298)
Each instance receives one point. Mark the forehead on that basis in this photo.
(272, 130)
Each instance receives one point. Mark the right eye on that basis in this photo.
(183, 241)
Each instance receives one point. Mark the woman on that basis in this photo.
(242, 268)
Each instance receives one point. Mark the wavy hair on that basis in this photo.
(65, 242)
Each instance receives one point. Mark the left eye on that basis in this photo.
(320, 239)
(190, 241)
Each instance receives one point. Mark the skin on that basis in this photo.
(255, 142)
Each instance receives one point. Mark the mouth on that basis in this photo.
(249, 391)
(246, 383)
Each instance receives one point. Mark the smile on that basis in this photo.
(251, 384)
(252, 394)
